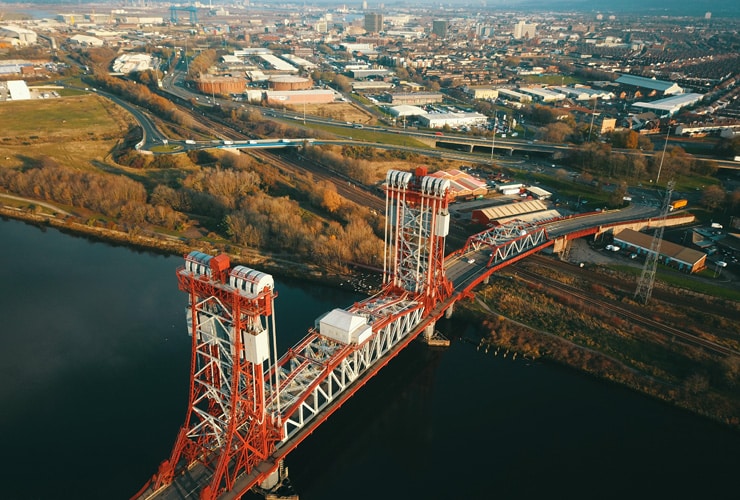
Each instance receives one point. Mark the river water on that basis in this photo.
(95, 360)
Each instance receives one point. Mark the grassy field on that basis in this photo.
(65, 117)
(74, 131)
(688, 282)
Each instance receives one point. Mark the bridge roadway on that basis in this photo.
(465, 269)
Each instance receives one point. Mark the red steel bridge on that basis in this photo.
(248, 406)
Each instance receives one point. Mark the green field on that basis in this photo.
(77, 131)
(63, 117)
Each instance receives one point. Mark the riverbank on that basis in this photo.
(281, 265)
(510, 316)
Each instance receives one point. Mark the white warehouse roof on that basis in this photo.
(670, 105)
(18, 90)
(406, 110)
(650, 83)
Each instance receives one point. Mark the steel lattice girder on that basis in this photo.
(508, 240)
(318, 369)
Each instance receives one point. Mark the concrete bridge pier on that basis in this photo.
(487, 280)
(429, 331)
(277, 486)
(450, 310)
(432, 337)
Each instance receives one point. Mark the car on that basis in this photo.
(471, 261)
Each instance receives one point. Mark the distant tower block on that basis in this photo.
(417, 224)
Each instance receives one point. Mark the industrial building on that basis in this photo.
(299, 61)
(367, 73)
(482, 92)
(540, 94)
(453, 120)
(583, 93)
(86, 41)
(18, 90)
(287, 82)
(371, 85)
(221, 85)
(500, 214)
(127, 63)
(406, 110)
(660, 86)
(671, 254)
(461, 184)
(318, 96)
(513, 95)
(278, 64)
(669, 106)
(538, 193)
(416, 97)
(22, 35)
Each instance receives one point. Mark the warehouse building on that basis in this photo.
(540, 94)
(18, 90)
(461, 184)
(513, 95)
(406, 110)
(670, 105)
(452, 120)
(23, 35)
(510, 211)
(650, 84)
(671, 254)
(289, 97)
(415, 98)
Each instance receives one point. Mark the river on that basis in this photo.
(95, 360)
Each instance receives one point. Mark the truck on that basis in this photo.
(228, 143)
(189, 141)
(677, 204)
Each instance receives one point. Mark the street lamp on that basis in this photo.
(493, 138)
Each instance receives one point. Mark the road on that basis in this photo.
(51, 207)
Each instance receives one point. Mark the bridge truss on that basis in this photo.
(247, 409)
(515, 238)
(191, 10)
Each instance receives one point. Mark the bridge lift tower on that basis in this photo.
(191, 10)
(231, 322)
(417, 224)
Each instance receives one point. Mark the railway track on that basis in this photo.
(650, 325)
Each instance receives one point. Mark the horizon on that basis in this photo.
(671, 8)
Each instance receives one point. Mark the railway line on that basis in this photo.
(653, 327)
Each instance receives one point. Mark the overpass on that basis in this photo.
(249, 406)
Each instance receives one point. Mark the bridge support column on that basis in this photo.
(429, 331)
(487, 280)
(432, 337)
(278, 480)
(449, 311)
